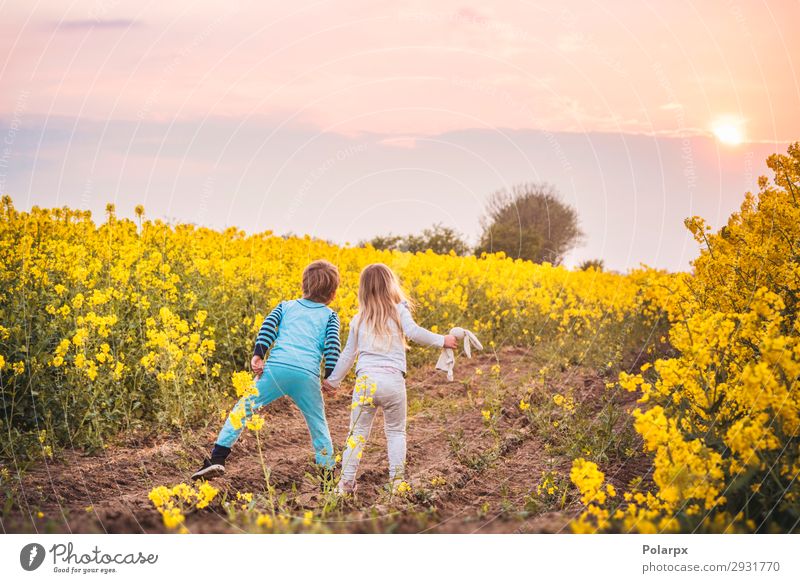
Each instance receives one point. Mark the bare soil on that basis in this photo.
(487, 476)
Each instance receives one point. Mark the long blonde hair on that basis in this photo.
(379, 292)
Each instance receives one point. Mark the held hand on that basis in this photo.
(328, 387)
(257, 365)
(450, 341)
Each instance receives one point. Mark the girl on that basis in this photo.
(377, 339)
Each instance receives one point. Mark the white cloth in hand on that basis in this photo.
(447, 359)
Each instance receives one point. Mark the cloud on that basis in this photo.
(407, 142)
(91, 23)
(572, 42)
(471, 15)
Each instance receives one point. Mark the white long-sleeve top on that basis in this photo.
(378, 351)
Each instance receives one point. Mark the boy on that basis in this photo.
(298, 334)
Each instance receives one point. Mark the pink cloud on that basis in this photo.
(415, 69)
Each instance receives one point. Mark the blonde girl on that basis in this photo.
(377, 340)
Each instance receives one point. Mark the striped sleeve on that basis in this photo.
(268, 332)
(333, 346)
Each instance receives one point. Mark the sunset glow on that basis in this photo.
(729, 133)
(288, 116)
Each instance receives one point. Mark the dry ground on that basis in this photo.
(487, 477)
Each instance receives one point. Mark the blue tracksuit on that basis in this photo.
(298, 334)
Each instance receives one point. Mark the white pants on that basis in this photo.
(390, 395)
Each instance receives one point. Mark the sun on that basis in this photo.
(729, 132)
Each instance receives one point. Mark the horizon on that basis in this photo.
(347, 124)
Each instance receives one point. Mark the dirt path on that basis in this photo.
(482, 480)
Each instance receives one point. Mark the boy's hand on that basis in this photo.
(257, 365)
(327, 386)
(450, 341)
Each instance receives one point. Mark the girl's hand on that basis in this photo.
(328, 387)
(257, 365)
(450, 341)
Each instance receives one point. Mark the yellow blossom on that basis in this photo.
(256, 422)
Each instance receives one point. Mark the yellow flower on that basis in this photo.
(523, 405)
(173, 517)
(91, 370)
(487, 414)
(237, 415)
(308, 518)
(183, 492)
(244, 384)
(589, 479)
(205, 494)
(159, 496)
(256, 422)
(244, 496)
(567, 403)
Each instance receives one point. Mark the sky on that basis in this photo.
(346, 120)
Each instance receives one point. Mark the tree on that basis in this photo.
(384, 242)
(530, 222)
(437, 238)
(596, 264)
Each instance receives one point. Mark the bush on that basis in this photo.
(722, 419)
(438, 238)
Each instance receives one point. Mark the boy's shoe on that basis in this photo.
(211, 469)
(346, 487)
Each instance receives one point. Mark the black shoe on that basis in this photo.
(211, 469)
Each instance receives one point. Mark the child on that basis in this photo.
(377, 338)
(299, 334)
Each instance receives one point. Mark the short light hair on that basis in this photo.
(320, 281)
